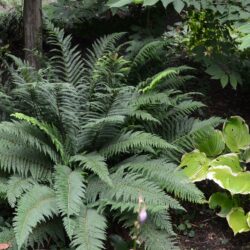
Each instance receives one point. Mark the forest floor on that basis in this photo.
(210, 231)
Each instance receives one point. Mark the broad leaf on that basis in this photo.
(223, 201)
(179, 5)
(236, 183)
(212, 143)
(196, 165)
(236, 134)
(118, 3)
(237, 220)
(246, 155)
(149, 2)
(166, 2)
(230, 160)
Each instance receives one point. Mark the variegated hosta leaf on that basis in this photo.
(230, 160)
(196, 165)
(237, 220)
(223, 201)
(236, 134)
(248, 219)
(236, 183)
(246, 155)
(212, 143)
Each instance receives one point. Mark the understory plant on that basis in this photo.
(223, 157)
(83, 147)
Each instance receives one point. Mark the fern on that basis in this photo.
(90, 230)
(34, 207)
(135, 140)
(156, 239)
(96, 163)
(70, 192)
(84, 139)
(67, 63)
(16, 186)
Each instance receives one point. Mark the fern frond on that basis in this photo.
(34, 207)
(70, 192)
(90, 230)
(147, 53)
(156, 239)
(51, 131)
(7, 235)
(43, 233)
(167, 176)
(128, 187)
(134, 140)
(95, 163)
(67, 62)
(16, 186)
(101, 47)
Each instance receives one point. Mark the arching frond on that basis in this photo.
(70, 192)
(34, 207)
(95, 163)
(90, 230)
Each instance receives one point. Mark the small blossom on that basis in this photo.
(143, 215)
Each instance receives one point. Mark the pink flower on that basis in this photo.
(143, 215)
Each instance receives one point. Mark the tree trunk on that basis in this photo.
(32, 15)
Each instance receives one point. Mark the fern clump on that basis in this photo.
(84, 142)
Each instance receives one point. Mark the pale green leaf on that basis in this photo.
(196, 165)
(236, 133)
(149, 2)
(230, 160)
(237, 220)
(166, 2)
(179, 5)
(223, 201)
(236, 183)
(212, 143)
(118, 3)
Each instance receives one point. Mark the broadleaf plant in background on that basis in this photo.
(221, 158)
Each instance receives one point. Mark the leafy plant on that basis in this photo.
(223, 157)
(84, 144)
(230, 9)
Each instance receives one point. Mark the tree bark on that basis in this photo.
(32, 15)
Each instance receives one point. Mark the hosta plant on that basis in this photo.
(223, 157)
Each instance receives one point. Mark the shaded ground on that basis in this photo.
(225, 102)
(212, 233)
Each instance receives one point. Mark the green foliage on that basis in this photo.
(90, 228)
(85, 143)
(34, 207)
(226, 167)
(211, 43)
(229, 8)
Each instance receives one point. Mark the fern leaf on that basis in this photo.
(34, 207)
(51, 131)
(7, 235)
(90, 230)
(135, 140)
(95, 163)
(156, 239)
(70, 192)
(126, 190)
(16, 187)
